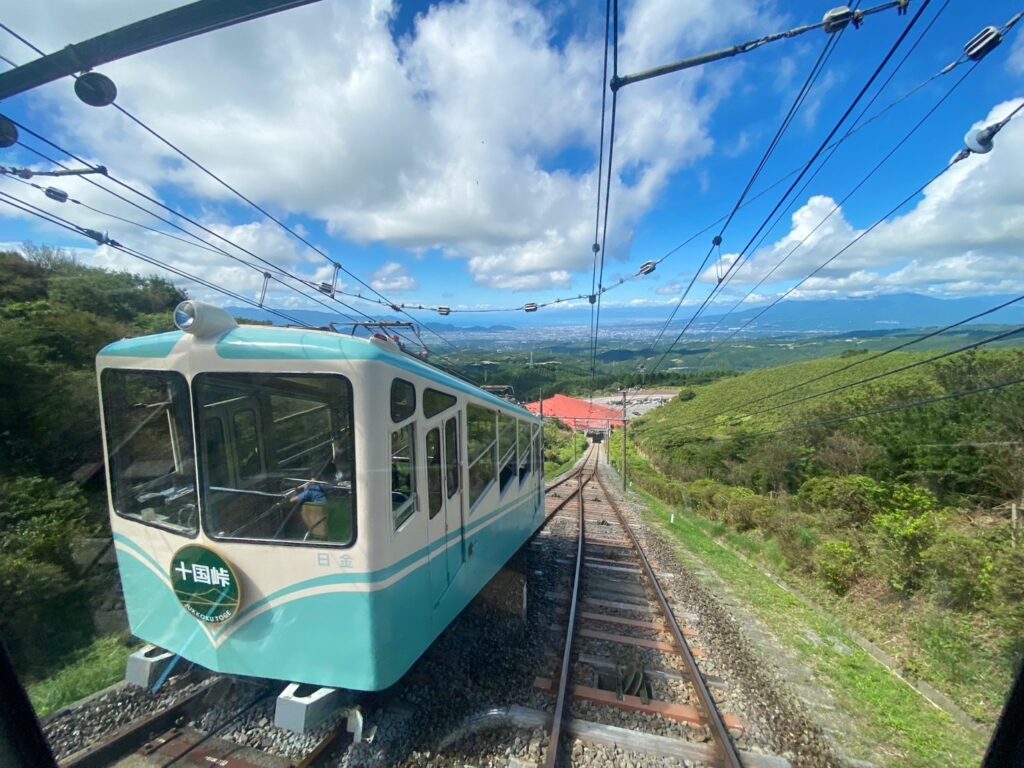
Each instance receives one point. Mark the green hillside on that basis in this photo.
(899, 522)
(711, 430)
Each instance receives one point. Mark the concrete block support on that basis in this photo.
(301, 708)
(146, 665)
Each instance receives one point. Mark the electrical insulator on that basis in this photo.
(444, 311)
(837, 19)
(983, 43)
(58, 195)
(8, 133)
(647, 267)
(531, 307)
(95, 89)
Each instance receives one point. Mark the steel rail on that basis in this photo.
(126, 739)
(719, 731)
(563, 681)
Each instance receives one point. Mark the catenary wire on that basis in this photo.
(769, 151)
(607, 193)
(174, 212)
(59, 221)
(138, 121)
(600, 157)
(835, 208)
(857, 362)
(873, 412)
(805, 169)
(854, 126)
(52, 218)
(961, 156)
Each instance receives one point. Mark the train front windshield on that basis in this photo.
(150, 448)
(276, 454)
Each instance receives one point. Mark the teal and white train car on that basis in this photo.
(304, 505)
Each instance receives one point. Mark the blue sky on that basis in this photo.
(446, 153)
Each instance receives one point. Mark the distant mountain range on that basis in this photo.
(904, 310)
(878, 313)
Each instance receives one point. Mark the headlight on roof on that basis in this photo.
(200, 319)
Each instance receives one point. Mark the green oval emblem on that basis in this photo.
(205, 584)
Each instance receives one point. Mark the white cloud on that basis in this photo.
(449, 137)
(393, 277)
(966, 234)
(672, 289)
(1015, 61)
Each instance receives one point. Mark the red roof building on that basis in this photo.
(578, 414)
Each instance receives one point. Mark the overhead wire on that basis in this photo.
(278, 274)
(600, 159)
(59, 221)
(798, 101)
(855, 126)
(859, 361)
(193, 222)
(876, 411)
(582, 296)
(102, 239)
(607, 193)
(818, 152)
(138, 121)
(861, 235)
(715, 345)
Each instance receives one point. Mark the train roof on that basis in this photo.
(260, 342)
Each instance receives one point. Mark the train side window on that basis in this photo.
(506, 450)
(523, 448)
(403, 474)
(150, 451)
(403, 400)
(435, 494)
(451, 457)
(247, 443)
(482, 441)
(435, 402)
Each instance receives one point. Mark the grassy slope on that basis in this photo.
(892, 724)
(699, 416)
(94, 668)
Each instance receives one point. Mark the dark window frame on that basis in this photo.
(453, 467)
(430, 411)
(435, 473)
(491, 448)
(410, 506)
(399, 419)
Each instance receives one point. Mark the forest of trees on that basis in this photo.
(55, 315)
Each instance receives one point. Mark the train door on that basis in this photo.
(444, 502)
(437, 530)
(452, 439)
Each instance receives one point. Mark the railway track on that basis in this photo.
(187, 732)
(597, 676)
(624, 650)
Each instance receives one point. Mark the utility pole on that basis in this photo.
(623, 441)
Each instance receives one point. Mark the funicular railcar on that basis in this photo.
(304, 505)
